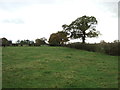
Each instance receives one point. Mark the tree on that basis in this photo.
(62, 37)
(25, 42)
(40, 41)
(43, 39)
(10, 42)
(18, 41)
(82, 28)
(31, 43)
(102, 42)
(4, 42)
(58, 38)
(54, 40)
(21, 42)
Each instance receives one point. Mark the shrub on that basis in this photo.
(108, 48)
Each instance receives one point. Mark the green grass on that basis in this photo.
(57, 67)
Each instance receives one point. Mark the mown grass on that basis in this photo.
(57, 67)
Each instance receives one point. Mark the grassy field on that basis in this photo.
(57, 67)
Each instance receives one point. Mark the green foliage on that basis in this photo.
(58, 38)
(111, 48)
(40, 41)
(6, 42)
(25, 42)
(103, 47)
(57, 67)
(54, 39)
(82, 27)
(88, 47)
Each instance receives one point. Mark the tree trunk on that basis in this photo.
(83, 38)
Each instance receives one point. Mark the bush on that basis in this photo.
(111, 48)
(88, 47)
(108, 48)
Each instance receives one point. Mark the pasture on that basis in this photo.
(57, 67)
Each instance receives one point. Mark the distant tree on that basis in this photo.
(18, 41)
(54, 39)
(102, 42)
(43, 41)
(116, 41)
(25, 42)
(4, 42)
(58, 38)
(21, 42)
(40, 41)
(62, 37)
(9, 42)
(82, 28)
(31, 43)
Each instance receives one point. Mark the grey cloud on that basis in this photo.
(14, 4)
(110, 7)
(11, 5)
(16, 21)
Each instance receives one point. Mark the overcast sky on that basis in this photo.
(32, 19)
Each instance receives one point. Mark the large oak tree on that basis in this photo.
(82, 28)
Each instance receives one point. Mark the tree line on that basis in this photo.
(38, 42)
(81, 28)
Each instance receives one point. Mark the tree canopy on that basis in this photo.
(82, 28)
(6, 42)
(58, 38)
(40, 41)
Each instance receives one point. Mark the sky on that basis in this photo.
(32, 19)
